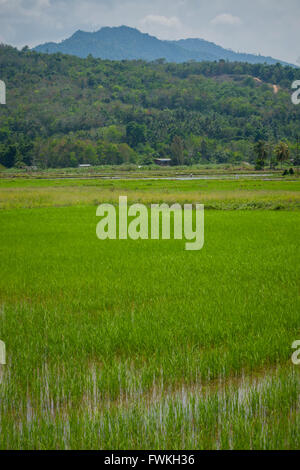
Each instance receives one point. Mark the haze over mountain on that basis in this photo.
(125, 43)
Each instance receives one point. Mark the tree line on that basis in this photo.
(62, 111)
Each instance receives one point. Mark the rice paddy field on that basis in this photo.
(123, 344)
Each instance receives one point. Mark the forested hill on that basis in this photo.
(124, 43)
(63, 110)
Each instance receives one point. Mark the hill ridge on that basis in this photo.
(127, 43)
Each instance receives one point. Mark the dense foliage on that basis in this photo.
(62, 110)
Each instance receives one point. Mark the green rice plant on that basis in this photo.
(122, 344)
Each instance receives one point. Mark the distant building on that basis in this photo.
(84, 165)
(163, 161)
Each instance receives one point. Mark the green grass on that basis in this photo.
(215, 194)
(140, 344)
(131, 170)
(156, 184)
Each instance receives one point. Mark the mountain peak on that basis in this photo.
(79, 33)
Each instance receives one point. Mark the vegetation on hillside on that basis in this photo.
(62, 111)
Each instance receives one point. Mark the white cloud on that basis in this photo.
(227, 19)
(170, 22)
(37, 21)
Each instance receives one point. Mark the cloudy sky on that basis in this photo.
(268, 27)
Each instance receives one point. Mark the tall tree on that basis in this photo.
(177, 150)
(135, 134)
(282, 152)
(261, 152)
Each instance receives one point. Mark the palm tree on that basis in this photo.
(261, 151)
(282, 152)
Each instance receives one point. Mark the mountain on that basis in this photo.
(206, 48)
(124, 43)
(118, 44)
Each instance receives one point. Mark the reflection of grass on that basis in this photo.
(214, 194)
(123, 344)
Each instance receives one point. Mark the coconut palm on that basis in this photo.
(282, 152)
(261, 151)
